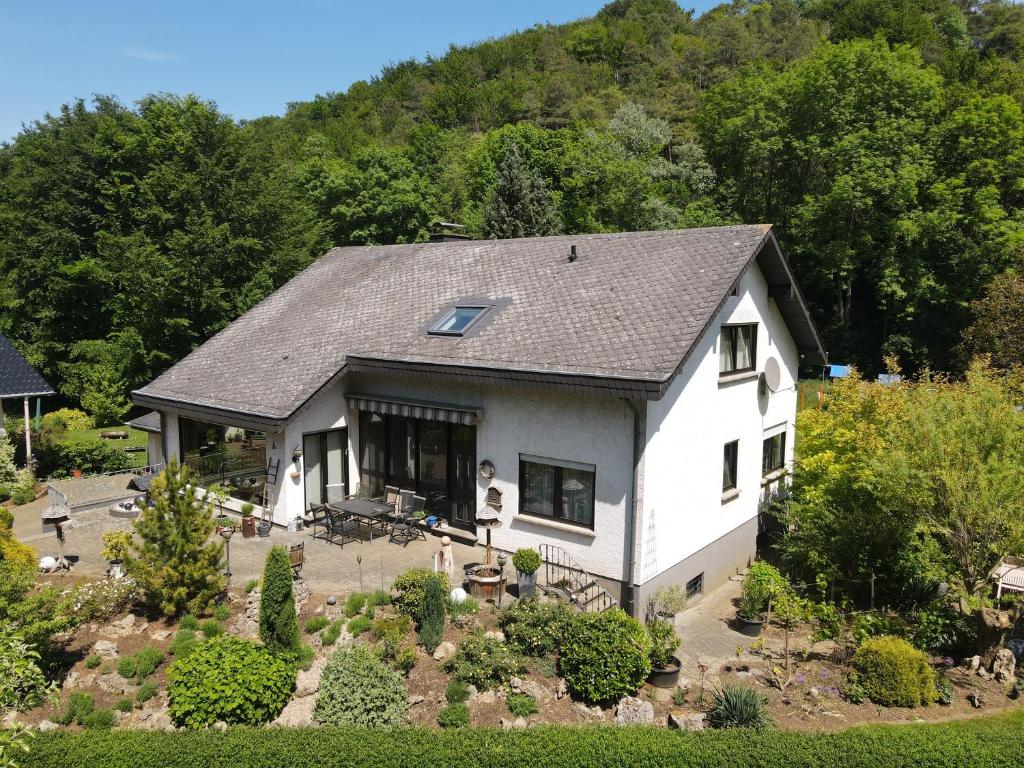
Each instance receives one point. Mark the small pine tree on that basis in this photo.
(520, 205)
(173, 559)
(279, 626)
(432, 615)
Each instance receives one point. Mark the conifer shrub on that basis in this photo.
(279, 625)
(893, 673)
(410, 588)
(231, 680)
(358, 688)
(432, 615)
(605, 657)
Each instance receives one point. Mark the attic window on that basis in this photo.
(457, 321)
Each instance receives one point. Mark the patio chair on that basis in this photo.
(341, 528)
(297, 556)
(391, 497)
(407, 527)
(317, 518)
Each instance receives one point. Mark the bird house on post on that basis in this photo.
(18, 379)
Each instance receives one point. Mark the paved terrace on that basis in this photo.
(328, 567)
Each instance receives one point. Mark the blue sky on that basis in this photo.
(252, 58)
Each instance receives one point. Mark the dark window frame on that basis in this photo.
(765, 469)
(732, 460)
(695, 586)
(435, 329)
(556, 509)
(734, 329)
(321, 434)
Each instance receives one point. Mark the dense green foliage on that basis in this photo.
(893, 673)
(536, 628)
(411, 587)
(883, 138)
(231, 680)
(606, 656)
(981, 743)
(174, 561)
(739, 706)
(357, 688)
(431, 615)
(526, 560)
(91, 457)
(483, 662)
(279, 624)
(453, 716)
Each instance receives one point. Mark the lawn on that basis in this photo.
(136, 439)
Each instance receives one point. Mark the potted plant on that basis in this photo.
(667, 601)
(248, 522)
(527, 562)
(761, 586)
(665, 665)
(115, 550)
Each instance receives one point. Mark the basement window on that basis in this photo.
(457, 321)
(695, 586)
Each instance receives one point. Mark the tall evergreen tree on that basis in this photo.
(279, 628)
(173, 558)
(520, 204)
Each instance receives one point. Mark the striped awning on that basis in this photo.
(415, 409)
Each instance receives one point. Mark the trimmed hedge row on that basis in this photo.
(980, 743)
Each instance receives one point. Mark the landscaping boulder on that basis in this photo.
(1004, 665)
(160, 634)
(75, 680)
(687, 721)
(588, 713)
(106, 649)
(114, 683)
(126, 625)
(519, 722)
(444, 650)
(298, 712)
(484, 697)
(495, 634)
(529, 687)
(47, 725)
(633, 711)
(562, 690)
(301, 591)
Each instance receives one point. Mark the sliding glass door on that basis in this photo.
(433, 458)
(325, 466)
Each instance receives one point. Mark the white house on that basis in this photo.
(627, 400)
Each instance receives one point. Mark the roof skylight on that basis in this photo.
(457, 320)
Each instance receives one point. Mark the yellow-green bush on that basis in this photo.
(894, 673)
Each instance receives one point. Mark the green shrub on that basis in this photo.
(184, 642)
(521, 704)
(536, 628)
(279, 625)
(359, 625)
(92, 661)
(303, 658)
(664, 642)
(893, 673)
(146, 691)
(229, 679)
(404, 661)
(411, 586)
(526, 560)
(483, 662)
(357, 688)
(944, 691)
(80, 705)
(331, 634)
(24, 490)
(124, 705)
(66, 420)
(432, 616)
(980, 742)
(453, 716)
(605, 657)
(315, 623)
(391, 633)
(116, 545)
(146, 661)
(739, 706)
(211, 628)
(99, 720)
(221, 612)
(468, 607)
(126, 667)
(762, 583)
(91, 456)
(380, 597)
(188, 621)
(251, 584)
(457, 692)
(679, 696)
(354, 604)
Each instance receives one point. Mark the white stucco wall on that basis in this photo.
(154, 449)
(683, 508)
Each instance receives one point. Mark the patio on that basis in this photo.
(328, 567)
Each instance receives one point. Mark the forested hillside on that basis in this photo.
(882, 137)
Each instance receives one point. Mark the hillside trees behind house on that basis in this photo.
(883, 138)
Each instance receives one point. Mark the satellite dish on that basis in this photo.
(772, 375)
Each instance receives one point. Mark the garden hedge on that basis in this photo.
(979, 743)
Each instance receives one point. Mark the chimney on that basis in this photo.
(447, 232)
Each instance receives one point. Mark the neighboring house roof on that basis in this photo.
(620, 319)
(17, 377)
(147, 422)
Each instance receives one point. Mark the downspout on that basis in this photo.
(633, 510)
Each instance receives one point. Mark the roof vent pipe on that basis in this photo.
(572, 254)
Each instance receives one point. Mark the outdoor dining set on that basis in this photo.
(397, 515)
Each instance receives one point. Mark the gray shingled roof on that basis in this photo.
(147, 422)
(624, 315)
(17, 377)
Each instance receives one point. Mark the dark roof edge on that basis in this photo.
(798, 296)
(200, 412)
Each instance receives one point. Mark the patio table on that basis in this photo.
(373, 513)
